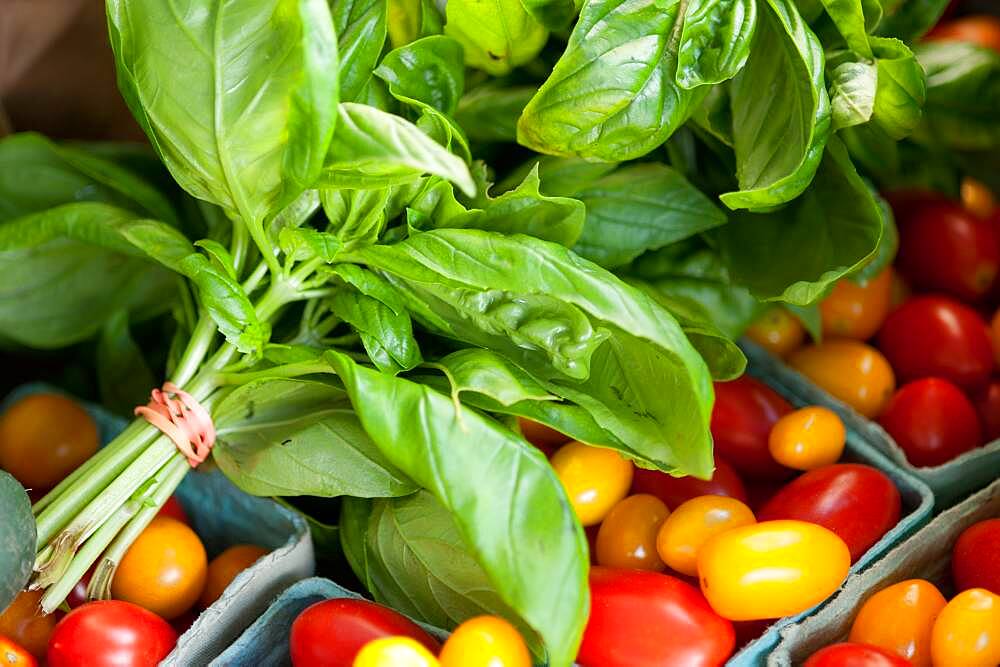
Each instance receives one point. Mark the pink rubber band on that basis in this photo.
(182, 419)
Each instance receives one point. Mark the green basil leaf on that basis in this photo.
(295, 214)
(612, 95)
(497, 35)
(715, 41)
(227, 304)
(356, 216)
(306, 243)
(371, 284)
(220, 256)
(849, 17)
(562, 176)
(508, 506)
(779, 137)
(160, 241)
(123, 376)
(485, 372)
(361, 27)
(489, 113)
(412, 19)
(553, 14)
(237, 99)
(293, 437)
(910, 19)
(17, 539)
(902, 88)
(429, 70)
(852, 93)
(386, 334)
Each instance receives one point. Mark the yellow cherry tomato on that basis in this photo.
(808, 438)
(777, 331)
(595, 479)
(693, 523)
(852, 371)
(977, 198)
(899, 619)
(485, 641)
(395, 652)
(857, 310)
(627, 536)
(967, 631)
(771, 569)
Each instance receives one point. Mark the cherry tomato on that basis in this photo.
(899, 619)
(173, 509)
(909, 202)
(675, 490)
(394, 652)
(633, 613)
(744, 413)
(932, 421)
(854, 655)
(332, 632)
(987, 402)
(808, 438)
(595, 479)
(975, 559)
(24, 623)
(850, 370)
(771, 569)
(43, 438)
(14, 655)
(78, 596)
(692, 524)
(977, 198)
(856, 502)
(857, 310)
(982, 30)
(777, 331)
(223, 569)
(485, 641)
(545, 438)
(967, 631)
(110, 633)
(164, 570)
(627, 537)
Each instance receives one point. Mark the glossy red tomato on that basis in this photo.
(934, 336)
(987, 402)
(932, 421)
(857, 502)
(332, 632)
(110, 633)
(975, 559)
(855, 655)
(744, 412)
(674, 491)
(647, 619)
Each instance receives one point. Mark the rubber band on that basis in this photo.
(180, 417)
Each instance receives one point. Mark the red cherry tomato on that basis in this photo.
(855, 655)
(744, 412)
(332, 632)
(110, 633)
(982, 30)
(173, 509)
(987, 402)
(975, 559)
(633, 615)
(932, 421)
(78, 596)
(934, 336)
(857, 502)
(674, 491)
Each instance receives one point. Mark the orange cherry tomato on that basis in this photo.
(485, 641)
(899, 619)
(850, 370)
(164, 570)
(977, 198)
(14, 655)
(595, 479)
(24, 623)
(627, 536)
(771, 569)
(808, 438)
(967, 631)
(394, 652)
(982, 30)
(43, 438)
(777, 331)
(545, 438)
(857, 310)
(223, 569)
(693, 523)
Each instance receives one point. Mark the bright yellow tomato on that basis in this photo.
(394, 652)
(777, 331)
(485, 641)
(771, 569)
(899, 619)
(693, 523)
(627, 536)
(967, 631)
(595, 479)
(809, 438)
(854, 372)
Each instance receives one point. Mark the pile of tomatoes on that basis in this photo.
(911, 623)
(929, 324)
(162, 580)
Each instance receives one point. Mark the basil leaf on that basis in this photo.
(17, 539)
(902, 88)
(489, 113)
(219, 255)
(386, 334)
(849, 17)
(306, 243)
(356, 216)
(412, 19)
(852, 93)
(361, 27)
(715, 41)
(485, 372)
(497, 35)
(429, 70)
(293, 437)
(227, 304)
(612, 95)
(553, 14)
(123, 376)
(909, 19)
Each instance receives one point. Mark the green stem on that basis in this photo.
(201, 340)
(266, 248)
(238, 247)
(251, 283)
(286, 371)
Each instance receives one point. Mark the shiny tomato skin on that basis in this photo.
(932, 421)
(695, 522)
(627, 536)
(809, 438)
(987, 402)
(13, 654)
(223, 569)
(975, 558)
(777, 331)
(110, 633)
(857, 310)
(852, 371)
(934, 336)
(24, 623)
(967, 631)
(675, 490)
(982, 30)
(900, 619)
(744, 413)
(855, 655)
(595, 479)
(394, 652)
(332, 632)
(485, 641)
(857, 502)
(633, 612)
